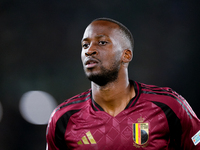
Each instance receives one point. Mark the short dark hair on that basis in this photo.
(122, 27)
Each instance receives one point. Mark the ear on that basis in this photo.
(127, 56)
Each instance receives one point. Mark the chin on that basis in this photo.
(102, 79)
(102, 76)
(90, 73)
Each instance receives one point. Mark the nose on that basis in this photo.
(91, 51)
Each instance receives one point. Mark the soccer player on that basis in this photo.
(118, 113)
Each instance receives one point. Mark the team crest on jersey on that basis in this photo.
(140, 133)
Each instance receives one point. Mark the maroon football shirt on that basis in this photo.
(156, 118)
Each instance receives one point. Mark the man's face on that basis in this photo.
(101, 52)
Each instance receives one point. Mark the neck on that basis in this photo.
(114, 96)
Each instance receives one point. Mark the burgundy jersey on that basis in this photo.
(156, 118)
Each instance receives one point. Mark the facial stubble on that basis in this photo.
(105, 75)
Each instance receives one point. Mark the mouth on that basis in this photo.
(90, 63)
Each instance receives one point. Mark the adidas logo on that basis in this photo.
(88, 139)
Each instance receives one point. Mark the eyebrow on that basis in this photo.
(97, 36)
(101, 35)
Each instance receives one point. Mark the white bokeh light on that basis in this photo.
(1, 111)
(37, 106)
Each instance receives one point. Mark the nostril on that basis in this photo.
(94, 52)
(89, 53)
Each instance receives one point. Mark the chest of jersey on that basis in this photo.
(141, 127)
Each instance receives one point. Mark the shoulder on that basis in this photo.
(153, 92)
(72, 105)
(166, 96)
(75, 101)
(60, 117)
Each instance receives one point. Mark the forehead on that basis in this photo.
(101, 27)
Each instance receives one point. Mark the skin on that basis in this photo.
(104, 43)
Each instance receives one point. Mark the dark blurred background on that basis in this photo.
(40, 50)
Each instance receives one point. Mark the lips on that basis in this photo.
(90, 62)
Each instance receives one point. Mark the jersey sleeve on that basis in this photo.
(50, 134)
(56, 130)
(190, 124)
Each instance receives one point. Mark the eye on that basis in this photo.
(102, 42)
(85, 45)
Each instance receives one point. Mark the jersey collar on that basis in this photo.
(131, 103)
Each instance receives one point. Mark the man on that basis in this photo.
(118, 113)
